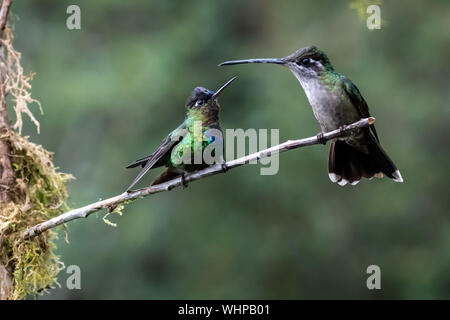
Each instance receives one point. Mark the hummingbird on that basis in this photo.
(336, 101)
(202, 108)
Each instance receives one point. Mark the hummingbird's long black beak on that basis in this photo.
(275, 61)
(218, 92)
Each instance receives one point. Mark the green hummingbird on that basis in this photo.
(180, 149)
(336, 101)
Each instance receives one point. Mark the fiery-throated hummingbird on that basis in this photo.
(199, 130)
(336, 101)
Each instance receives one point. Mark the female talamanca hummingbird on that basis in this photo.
(199, 130)
(336, 102)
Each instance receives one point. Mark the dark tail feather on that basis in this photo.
(347, 164)
(165, 176)
(141, 162)
(144, 170)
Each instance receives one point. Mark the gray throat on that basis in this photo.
(331, 107)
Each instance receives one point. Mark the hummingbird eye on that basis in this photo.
(199, 103)
(305, 62)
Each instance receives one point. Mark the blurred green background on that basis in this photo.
(112, 90)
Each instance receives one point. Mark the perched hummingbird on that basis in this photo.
(336, 101)
(202, 108)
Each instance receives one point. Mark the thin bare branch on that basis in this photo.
(113, 202)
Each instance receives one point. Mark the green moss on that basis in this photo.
(40, 193)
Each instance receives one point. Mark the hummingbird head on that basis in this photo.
(308, 62)
(204, 99)
(305, 63)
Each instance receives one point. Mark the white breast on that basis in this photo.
(331, 107)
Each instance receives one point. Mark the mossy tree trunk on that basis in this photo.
(6, 183)
(6, 170)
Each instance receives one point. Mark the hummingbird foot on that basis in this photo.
(114, 206)
(321, 139)
(184, 183)
(224, 166)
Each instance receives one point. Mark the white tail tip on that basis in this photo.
(339, 180)
(397, 176)
(333, 177)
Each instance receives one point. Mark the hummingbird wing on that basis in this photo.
(358, 101)
(148, 162)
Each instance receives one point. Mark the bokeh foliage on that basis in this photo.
(114, 89)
